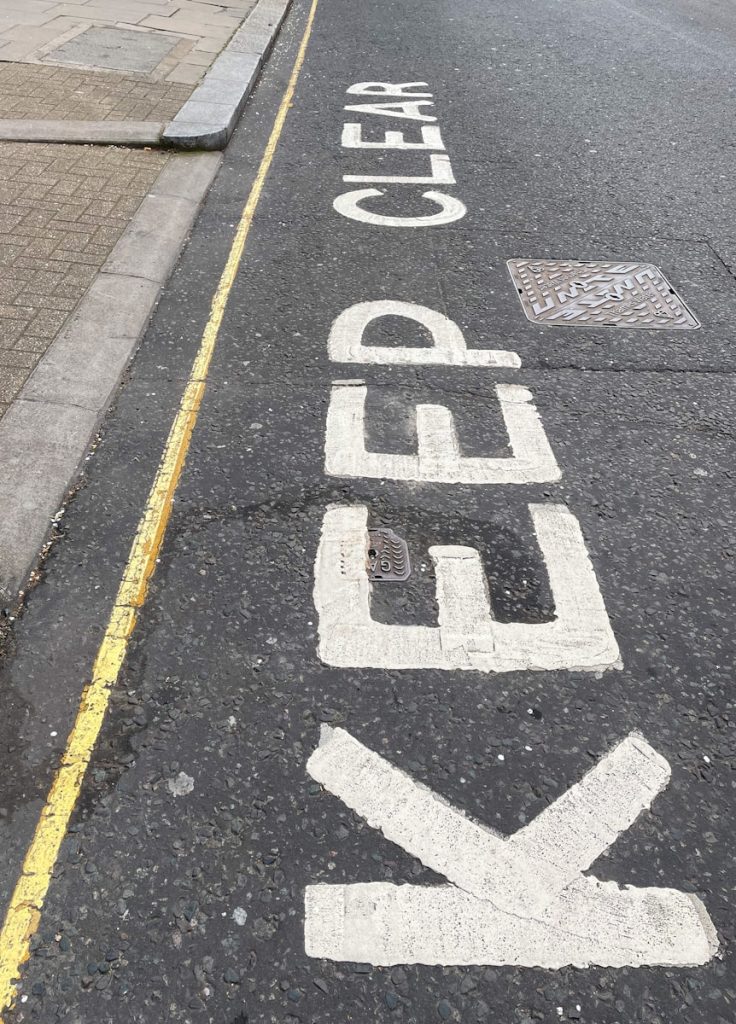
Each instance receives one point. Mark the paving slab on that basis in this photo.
(116, 49)
(106, 133)
(39, 92)
(81, 98)
(40, 450)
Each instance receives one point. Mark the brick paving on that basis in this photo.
(62, 209)
(66, 94)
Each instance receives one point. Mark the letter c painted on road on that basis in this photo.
(348, 204)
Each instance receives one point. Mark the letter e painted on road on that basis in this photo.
(439, 458)
(352, 138)
(408, 111)
(579, 638)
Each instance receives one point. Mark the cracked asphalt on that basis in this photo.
(576, 132)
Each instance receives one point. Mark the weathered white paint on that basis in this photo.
(468, 637)
(352, 138)
(521, 900)
(345, 343)
(389, 89)
(408, 109)
(522, 874)
(348, 205)
(439, 457)
(441, 174)
(593, 924)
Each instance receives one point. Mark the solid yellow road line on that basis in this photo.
(24, 911)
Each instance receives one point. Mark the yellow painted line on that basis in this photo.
(24, 911)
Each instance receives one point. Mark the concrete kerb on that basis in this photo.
(107, 133)
(208, 118)
(46, 433)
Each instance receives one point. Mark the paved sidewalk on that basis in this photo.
(172, 40)
(35, 91)
(62, 209)
(117, 60)
(89, 233)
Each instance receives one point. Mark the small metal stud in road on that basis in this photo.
(414, 699)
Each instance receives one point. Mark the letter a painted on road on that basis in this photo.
(522, 900)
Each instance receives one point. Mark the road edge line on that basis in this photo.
(26, 903)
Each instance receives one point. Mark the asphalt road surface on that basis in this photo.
(252, 842)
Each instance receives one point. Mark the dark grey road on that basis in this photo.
(575, 131)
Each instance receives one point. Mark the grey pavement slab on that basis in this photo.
(115, 48)
(168, 40)
(40, 452)
(150, 246)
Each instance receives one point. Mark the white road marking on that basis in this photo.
(402, 109)
(389, 89)
(439, 457)
(352, 138)
(348, 205)
(441, 174)
(592, 924)
(522, 874)
(516, 901)
(448, 348)
(468, 637)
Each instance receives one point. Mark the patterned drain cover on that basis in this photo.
(388, 557)
(562, 292)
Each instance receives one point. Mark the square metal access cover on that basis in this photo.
(115, 49)
(598, 294)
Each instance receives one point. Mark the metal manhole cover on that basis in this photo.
(115, 49)
(388, 557)
(560, 292)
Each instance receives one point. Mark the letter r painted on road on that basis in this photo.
(439, 457)
(467, 637)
